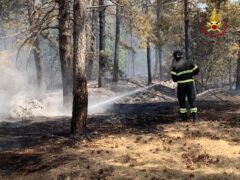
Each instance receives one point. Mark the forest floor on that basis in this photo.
(132, 140)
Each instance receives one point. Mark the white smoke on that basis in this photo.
(11, 82)
(19, 97)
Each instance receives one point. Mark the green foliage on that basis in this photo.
(215, 56)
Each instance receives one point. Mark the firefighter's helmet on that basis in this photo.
(178, 54)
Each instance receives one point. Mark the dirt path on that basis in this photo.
(131, 141)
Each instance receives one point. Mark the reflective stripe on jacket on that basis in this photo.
(184, 73)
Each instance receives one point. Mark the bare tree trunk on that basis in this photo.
(149, 62)
(238, 68)
(127, 65)
(160, 63)
(36, 48)
(132, 51)
(117, 39)
(159, 49)
(126, 60)
(38, 63)
(92, 56)
(230, 73)
(147, 2)
(101, 42)
(65, 50)
(80, 92)
(156, 62)
(186, 28)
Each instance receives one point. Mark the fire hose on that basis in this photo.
(213, 93)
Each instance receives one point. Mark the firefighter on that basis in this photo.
(182, 73)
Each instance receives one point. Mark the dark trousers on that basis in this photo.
(186, 90)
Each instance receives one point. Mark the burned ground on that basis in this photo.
(130, 141)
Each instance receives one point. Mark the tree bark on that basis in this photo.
(117, 39)
(38, 63)
(80, 92)
(65, 50)
(160, 63)
(238, 68)
(156, 63)
(132, 52)
(101, 42)
(230, 73)
(36, 48)
(92, 56)
(149, 62)
(148, 50)
(159, 49)
(186, 28)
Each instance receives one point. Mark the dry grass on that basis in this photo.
(173, 154)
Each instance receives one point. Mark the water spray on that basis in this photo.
(121, 96)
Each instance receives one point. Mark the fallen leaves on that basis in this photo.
(192, 160)
(127, 159)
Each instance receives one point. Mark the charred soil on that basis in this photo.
(130, 141)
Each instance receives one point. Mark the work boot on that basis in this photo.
(194, 117)
(183, 116)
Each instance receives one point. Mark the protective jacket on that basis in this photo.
(183, 71)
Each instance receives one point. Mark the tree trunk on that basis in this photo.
(101, 42)
(36, 48)
(230, 72)
(160, 63)
(65, 50)
(38, 63)
(149, 62)
(238, 68)
(156, 63)
(159, 49)
(117, 39)
(92, 56)
(148, 50)
(132, 51)
(80, 93)
(186, 28)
